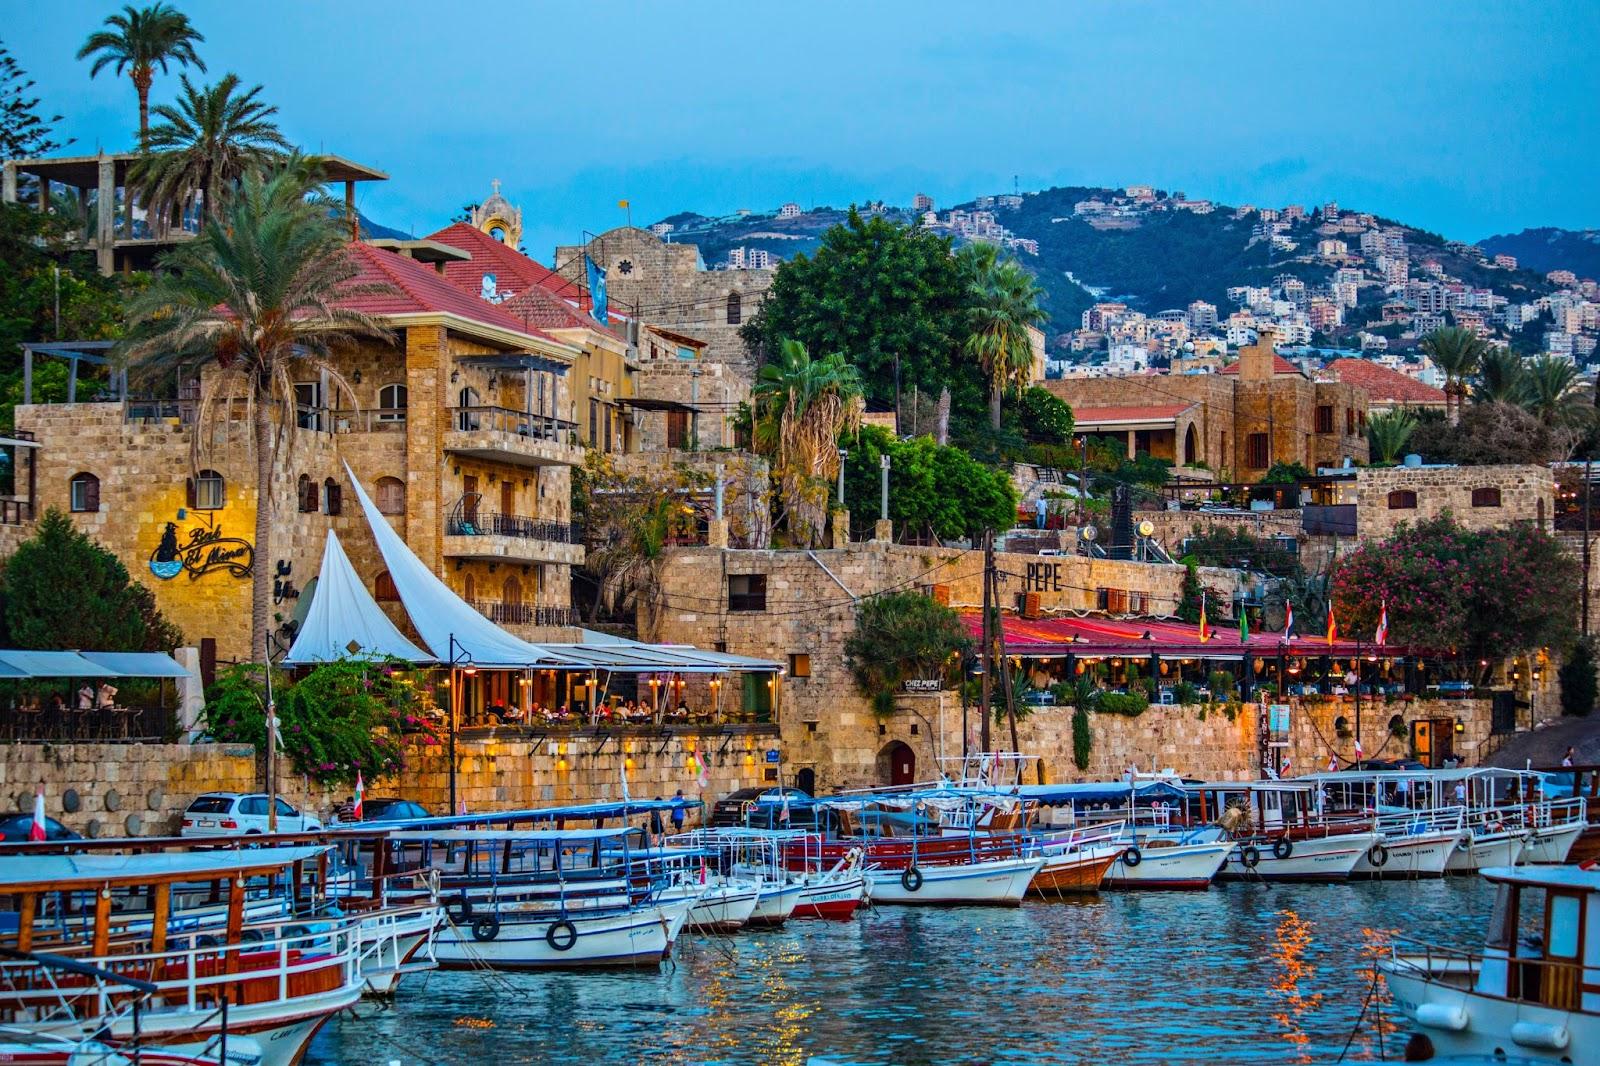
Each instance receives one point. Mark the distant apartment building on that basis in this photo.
(1394, 270)
(789, 210)
(1561, 277)
(1102, 316)
(921, 203)
(930, 219)
(743, 258)
(1026, 244)
(1330, 211)
(1348, 293)
(1506, 262)
(1201, 315)
(1324, 314)
(661, 229)
(983, 202)
(1140, 192)
(1009, 201)
(1332, 249)
(1294, 212)
(1128, 359)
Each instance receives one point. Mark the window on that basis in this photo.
(254, 805)
(392, 403)
(383, 589)
(606, 440)
(470, 418)
(308, 404)
(307, 491)
(332, 497)
(1256, 451)
(208, 492)
(285, 810)
(594, 422)
(735, 312)
(677, 429)
(799, 664)
(1324, 419)
(1402, 500)
(747, 592)
(391, 495)
(685, 352)
(1486, 497)
(84, 490)
(1349, 421)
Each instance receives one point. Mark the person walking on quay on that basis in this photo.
(678, 813)
(658, 831)
(1567, 762)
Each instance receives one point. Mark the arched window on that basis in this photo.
(735, 310)
(383, 589)
(391, 495)
(392, 403)
(207, 492)
(511, 592)
(1486, 497)
(332, 497)
(1402, 500)
(469, 418)
(469, 588)
(84, 492)
(307, 492)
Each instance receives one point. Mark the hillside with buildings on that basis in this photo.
(1550, 248)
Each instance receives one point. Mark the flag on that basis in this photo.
(625, 797)
(1333, 762)
(36, 830)
(783, 812)
(1288, 760)
(597, 291)
(356, 810)
(1359, 753)
(624, 204)
(1205, 630)
(1244, 624)
(1288, 623)
(1383, 625)
(1272, 775)
(1333, 625)
(697, 769)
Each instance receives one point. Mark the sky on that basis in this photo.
(1465, 117)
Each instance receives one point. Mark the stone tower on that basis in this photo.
(496, 217)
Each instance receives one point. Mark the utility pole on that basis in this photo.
(985, 700)
(1005, 664)
(272, 753)
(1584, 615)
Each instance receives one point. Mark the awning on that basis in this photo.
(1142, 638)
(137, 663)
(52, 664)
(344, 621)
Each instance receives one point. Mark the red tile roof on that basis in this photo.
(543, 309)
(1280, 365)
(1384, 385)
(416, 288)
(1159, 412)
(1119, 636)
(513, 271)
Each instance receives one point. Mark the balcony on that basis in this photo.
(498, 434)
(487, 535)
(526, 614)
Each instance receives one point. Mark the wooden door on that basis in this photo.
(469, 498)
(508, 497)
(1563, 944)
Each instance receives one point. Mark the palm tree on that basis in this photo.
(1388, 433)
(205, 146)
(1500, 377)
(1005, 302)
(252, 304)
(139, 40)
(802, 405)
(1552, 390)
(1456, 352)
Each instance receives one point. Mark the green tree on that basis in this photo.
(1501, 377)
(1004, 302)
(138, 41)
(1388, 433)
(1282, 473)
(1486, 434)
(1578, 685)
(1553, 392)
(205, 146)
(63, 591)
(255, 302)
(936, 490)
(1046, 419)
(901, 635)
(881, 294)
(801, 406)
(1457, 353)
(24, 132)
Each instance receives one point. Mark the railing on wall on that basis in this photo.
(504, 420)
(525, 614)
(470, 522)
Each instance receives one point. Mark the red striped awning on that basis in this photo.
(1068, 635)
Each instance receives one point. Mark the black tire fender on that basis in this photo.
(561, 936)
(1249, 856)
(486, 928)
(1282, 848)
(459, 909)
(911, 880)
(1378, 855)
(1132, 857)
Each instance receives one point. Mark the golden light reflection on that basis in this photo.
(1291, 938)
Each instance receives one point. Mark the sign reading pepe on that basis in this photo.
(200, 550)
(922, 684)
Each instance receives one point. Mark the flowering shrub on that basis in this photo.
(339, 719)
(1491, 592)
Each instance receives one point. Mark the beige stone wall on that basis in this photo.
(1527, 494)
(716, 391)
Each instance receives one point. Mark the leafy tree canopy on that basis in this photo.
(24, 132)
(1046, 419)
(1487, 434)
(932, 488)
(63, 591)
(1483, 593)
(1282, 473)
(901, 635)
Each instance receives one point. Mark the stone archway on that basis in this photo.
(897, 764)
(1191, 445)
(806, 781)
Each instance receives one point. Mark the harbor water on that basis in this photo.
(1241, 973)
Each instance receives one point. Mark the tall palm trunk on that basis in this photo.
(260, 586)
(142, 79)
(994, 407)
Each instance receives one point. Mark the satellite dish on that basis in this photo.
(1087, 533)
(1146, 528)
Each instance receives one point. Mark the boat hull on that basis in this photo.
(1074, 871)
(1000, 882)
(627, 939)
(775, 904)
(834, 900)
(1461, 1022)
(1412, 855)
(1475, 851)
(1329, 858)
(1182, 866)
(1552, 843)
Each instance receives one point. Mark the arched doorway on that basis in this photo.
(1191, 445)
(806, 781)
(897, 764)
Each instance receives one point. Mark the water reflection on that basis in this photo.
(1239, 974)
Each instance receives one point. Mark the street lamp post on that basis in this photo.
(460, 660)
(844, 453)
(883, 488)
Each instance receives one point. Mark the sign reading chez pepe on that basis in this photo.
(200, 550)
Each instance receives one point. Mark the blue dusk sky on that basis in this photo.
(1465, 117)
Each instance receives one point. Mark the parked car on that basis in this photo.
(17, 826)
(730, 810)
(233, 814)
(382, 809)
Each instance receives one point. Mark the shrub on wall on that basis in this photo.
(1081, 738)
(901, 635)
(1131, 704)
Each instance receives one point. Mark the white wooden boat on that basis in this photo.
(509, 941)
(1168, 862)
(1531, 997)
(1319, 858)
(835, 894)
(990, 881)
(720, 904)
(1485, 845)
(1552, 843)
(23, 1049)
(396, 942)
(1415, 844)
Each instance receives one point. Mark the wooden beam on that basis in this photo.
(235, 921)
(160, 910)
(25, 915)
(102, 922)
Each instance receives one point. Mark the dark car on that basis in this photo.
(733, 808)
(16, 827)
(384, 809)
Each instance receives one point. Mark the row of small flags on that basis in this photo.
(1382, 636)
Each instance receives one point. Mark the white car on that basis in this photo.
(233, 814)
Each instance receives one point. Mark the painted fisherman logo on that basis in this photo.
(205, 550)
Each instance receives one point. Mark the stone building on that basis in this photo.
(668, 284)
(457, 429)
(1236, 424)
(1478, 497)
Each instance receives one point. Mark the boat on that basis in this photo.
(281, 983)
(732, 859)
(1076, 860)
(23, 1049)
(1279, 832)
(1526, 994)
(1168, 860)
(1002, 881)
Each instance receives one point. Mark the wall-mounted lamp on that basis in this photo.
(356, 377)
(455, 376)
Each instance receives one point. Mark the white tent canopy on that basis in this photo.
(344, 621)
(457, 633)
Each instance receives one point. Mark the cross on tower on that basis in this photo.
(496, 183)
